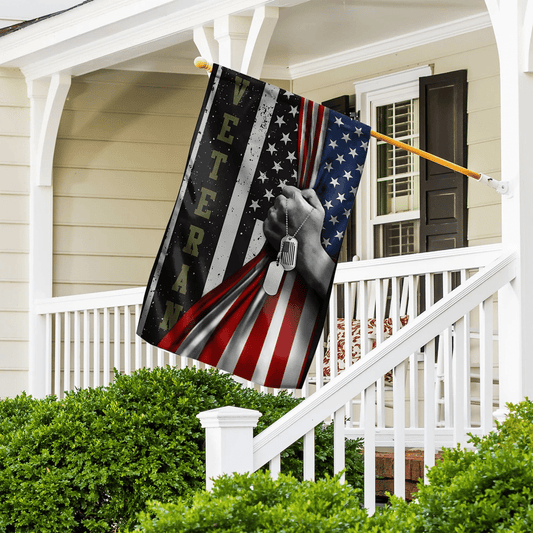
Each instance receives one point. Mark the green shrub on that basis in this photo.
(90, 462)
(488, 489)
(248, 503)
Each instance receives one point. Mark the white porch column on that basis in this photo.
(47, 98)
(238, 42)
(228, 441)
(512, 22)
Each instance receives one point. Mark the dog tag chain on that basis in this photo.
(286, 260)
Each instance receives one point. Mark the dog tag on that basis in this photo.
(273, 278)
(287, 252)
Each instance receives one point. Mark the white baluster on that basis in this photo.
(447, 350)
(275, 466)
(150, 356)
(57, 367)
(96, 348)
(66, 362)
(309, 456)
(399, 429)
(430, 405)
(459, 433)
(138, 347)
(333, 345)
(160, 357)
(486, 362)
(348, 338)
(116, 339)
(127, 340)
(468, 363)
(86, 350)
(380, 322)
(48, 355)
(107, 347)
(77, 351)
(413, 358)
(339, 448)
(370, 448)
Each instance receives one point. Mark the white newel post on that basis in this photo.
(228, 441)
(513, 22)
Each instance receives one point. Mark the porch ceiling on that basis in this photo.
(310, 36)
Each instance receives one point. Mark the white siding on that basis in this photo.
(14, 224)
(121, 150)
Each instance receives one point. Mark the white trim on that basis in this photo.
(138, 27)
(370, 93)
(393, 45)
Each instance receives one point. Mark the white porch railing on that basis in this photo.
(89, 335)
(451, 316)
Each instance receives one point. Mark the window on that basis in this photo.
(387, 206)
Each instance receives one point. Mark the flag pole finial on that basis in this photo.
(200, 62)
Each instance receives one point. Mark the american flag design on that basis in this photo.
(205, 297)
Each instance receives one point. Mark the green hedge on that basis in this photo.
(91, 461)
(486, 490)
(252, 503)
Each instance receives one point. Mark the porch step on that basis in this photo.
(414, 471)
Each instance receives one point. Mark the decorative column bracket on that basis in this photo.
(237, 42)
(45, 124)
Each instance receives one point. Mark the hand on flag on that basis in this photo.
(313, 263)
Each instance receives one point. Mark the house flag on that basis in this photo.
(205, 298)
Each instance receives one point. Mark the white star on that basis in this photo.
(338, 235)
(338, 121)
(295, 174)
(277, 167)
(294, 110)
(353, 153)
(285, 138)
(340, 198)
(288, 93)
(291, 156)
(262, 176)
(348, 175)
(255, 205)
(326, 243)
(271, 148)
(334, 182)
(282, 183)
(347, 213)
(333, 220)
(329, 167)
(268, 194)
(364, 146)
(279, 121)
(328, 204)
(340, 158)
(353, 190)
(345, 137)
(359, 131)
(333, 143)
(360, 169)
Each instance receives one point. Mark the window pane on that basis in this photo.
(397, 169)
(398, 238)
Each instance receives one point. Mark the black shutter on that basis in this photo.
(443, 119)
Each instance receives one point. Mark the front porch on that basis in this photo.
(444, 381)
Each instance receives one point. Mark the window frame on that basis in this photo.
(370, 94)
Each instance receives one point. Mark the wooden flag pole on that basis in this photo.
(500, 186)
